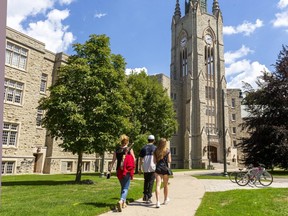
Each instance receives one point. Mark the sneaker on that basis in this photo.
(149, 201)
(145, 198)
(124, 205)
(166, 201)
(157, 204)
(119, 206)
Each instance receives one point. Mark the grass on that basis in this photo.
(267, 201)
(54, 195)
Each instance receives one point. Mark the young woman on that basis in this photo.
(125, 168)
(162, 159)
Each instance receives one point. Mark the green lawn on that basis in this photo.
(262, 202)
(55, 195)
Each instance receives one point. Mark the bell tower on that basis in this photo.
(198, 85)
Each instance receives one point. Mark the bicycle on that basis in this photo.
(253, 175)
(232, 175)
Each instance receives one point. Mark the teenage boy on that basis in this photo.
(148, 165)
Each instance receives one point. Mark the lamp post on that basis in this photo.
(224, 136)
(208, 150)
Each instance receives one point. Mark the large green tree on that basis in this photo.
(268, 116)
(152, 109)
(87, 107)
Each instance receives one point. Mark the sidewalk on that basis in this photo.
(185, 193)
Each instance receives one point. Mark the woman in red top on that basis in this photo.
(125, 168)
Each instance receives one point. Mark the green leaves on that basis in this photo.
(267, 123)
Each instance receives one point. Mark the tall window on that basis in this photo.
(209, 92)
(8, 167)
(233, 117)
(209, 61)
(233, 102)
(43, 84)
(13, 91)
(16, 56)
(184, 62)
(39, 117)
(9, 137)
(173, 150)
(85, 166)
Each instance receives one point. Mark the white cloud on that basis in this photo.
(100, 15)
(49, 29)
(52, 32)
(245, 28)
(65, 2)
(128, 71)
(281, 19)
(282, 4)
(231, 57)
(244, 71)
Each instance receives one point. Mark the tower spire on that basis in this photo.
(177, 13)
(216, 7)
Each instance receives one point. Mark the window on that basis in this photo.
(9, 137)
(39, 117)
(234, 130)
(86, 166)
(43, 84)
(13, 91)
(209, 92)
(173, 150)
(209, 62)
(16, 56)
(234, 143)
(8, 167)
(184, 62)
(210, 110)
(233, 102)
(233, 117)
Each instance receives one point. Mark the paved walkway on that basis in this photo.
(185, 193)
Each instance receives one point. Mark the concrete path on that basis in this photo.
(185, 193)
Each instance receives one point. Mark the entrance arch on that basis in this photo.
(213, 154)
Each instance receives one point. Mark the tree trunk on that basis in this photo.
(79, 168)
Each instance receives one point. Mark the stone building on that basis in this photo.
(27, 148)
(198, 86)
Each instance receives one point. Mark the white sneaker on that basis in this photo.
(158, 204)
(166, 201)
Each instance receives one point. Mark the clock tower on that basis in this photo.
(198, 86)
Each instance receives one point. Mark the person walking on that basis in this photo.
(162, 158)
(125, 168)
(148, 165)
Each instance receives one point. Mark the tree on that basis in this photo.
(152, 109)
(267, 122)
(87, 107)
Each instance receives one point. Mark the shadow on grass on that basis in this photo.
(36, 183)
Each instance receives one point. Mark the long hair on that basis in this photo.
(161, 149)
(124, 139)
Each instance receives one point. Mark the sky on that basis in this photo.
(140, 31)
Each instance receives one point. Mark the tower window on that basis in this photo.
(184, 62)
(209, 61)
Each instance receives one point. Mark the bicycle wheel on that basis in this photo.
(265, 178)
(242, 179)
(232, 176)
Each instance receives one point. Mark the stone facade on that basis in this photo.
(27, 148)
(198, 86)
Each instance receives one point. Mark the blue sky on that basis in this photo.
(139, 30)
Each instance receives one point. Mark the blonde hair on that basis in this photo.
(161, 149)
(124, 139)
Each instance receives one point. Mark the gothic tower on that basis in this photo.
(198, 86)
